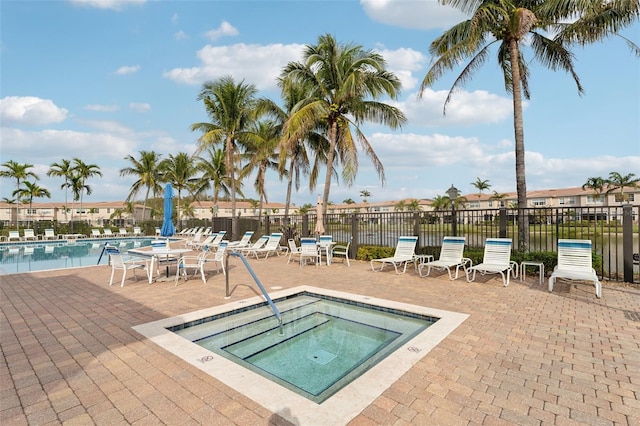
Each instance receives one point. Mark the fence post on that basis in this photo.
(627, 243)
(305, 225)
(267, 225)
(353, 248)
(416, 227)
(503, 223)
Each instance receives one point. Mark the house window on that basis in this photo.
(31, 211)
(474, 205)
(539, 202)
(594, 199)
(567, 201)
(628, 198)
(490, 203)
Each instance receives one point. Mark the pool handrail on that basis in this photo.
(273, 306)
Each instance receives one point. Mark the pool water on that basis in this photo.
(325, 343)
(45, 255)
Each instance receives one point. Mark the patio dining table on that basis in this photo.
(159, 255)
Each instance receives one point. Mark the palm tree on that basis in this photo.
(17, 171)
(146, 170)
(84, 171)
(414, 205)
(617, 181)
(30, 191)
(214, 175)
(78, 187)
(261, 154)
(179, 170)
(348, 201)
(596, 184)
(481, 185)
(400, 206)
(63, 169)
(510, 24)
(346, 83)
(440, 202)
(230, 107)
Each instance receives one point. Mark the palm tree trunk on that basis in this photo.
(521, 182)
(289, 187)
(333, 136)
(229, 164)
(144, 206)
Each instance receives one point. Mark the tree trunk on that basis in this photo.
(521, 183)
(229, 163)
(289, 187)
(333, 135)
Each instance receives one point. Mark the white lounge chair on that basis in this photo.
(96, 233)
(123, 232)
(49, 234)
(14, 236)
(450, 256)
(496, 260)
(193, 240)
(272, 246)
(405, 251)
(309, 251)
(243, 242)
(118, 261)
(137, 232)
(575, 263)
(29, 235)
(108, 233)
(212, 241)
(342, 250)
(260, 242)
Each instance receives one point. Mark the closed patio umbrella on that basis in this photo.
(319, 218)
(167, 224)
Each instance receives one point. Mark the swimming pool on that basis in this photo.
(44, 255)
(277, 383)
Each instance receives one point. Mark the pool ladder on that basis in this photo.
(273, 306)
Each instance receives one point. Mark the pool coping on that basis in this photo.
(345, 404)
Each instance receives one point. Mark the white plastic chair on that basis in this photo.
(405, 251)
(272, 246)
(49, 234)
(29, 234)
(450, 256)
(243, 242)
(294, 250)
(309, 251)
(575, 263)
(119, 262)
(496, 260)
(342, 250)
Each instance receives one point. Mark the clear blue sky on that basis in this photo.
(103, 79)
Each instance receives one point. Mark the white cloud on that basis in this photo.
(107, 4)
(175, 18)
(257, 64)
(139, 107)
(127, 70)
(424, 15)
(464, 109)
(225, 29)
(403, 63)
(102, 108)
(30, 110)
(181, 35)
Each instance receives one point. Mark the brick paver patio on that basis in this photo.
(524, 356)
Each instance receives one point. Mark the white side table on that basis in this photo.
(419, 259)
(523, 269)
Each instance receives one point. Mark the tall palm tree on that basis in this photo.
(63, 169)
(346, 82)
(78, 187)
(481, 185)
(230, 107)
(84, 171)
(17, 171)
(440, 202)
(618, 181)
(261, 155)
(414, 205)
(596, 184)
(146, 170)
(511, 24)
(30, 191)
(180, 171)
(214, 175)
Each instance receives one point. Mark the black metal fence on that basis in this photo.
(614, 231)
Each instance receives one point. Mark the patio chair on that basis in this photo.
(342, 250)
(199, 245)
(96, 233)
(309, 251)
(123, 232)
(450, 256)
(49, 234)
(194, 240)
(137, 232)
(14, 236)
(294, 250)
(496, 260)
(213, 243)
(29, 235)
(325, 244)
(243, 242)
(107, 232)
(260, 242)
(272, 246)
(119, 262)
(404, 253)
(575, 263)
